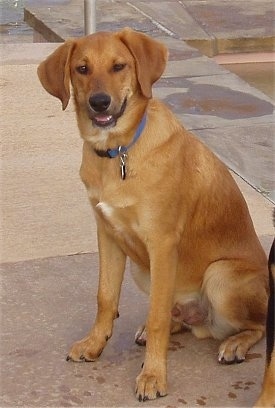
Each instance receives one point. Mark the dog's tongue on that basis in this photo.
(103, 119)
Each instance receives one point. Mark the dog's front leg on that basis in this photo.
(112, 265)
(151, 383)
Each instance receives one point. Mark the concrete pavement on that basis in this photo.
(48, 251)
(49, 303)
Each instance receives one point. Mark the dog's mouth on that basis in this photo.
(104, 120)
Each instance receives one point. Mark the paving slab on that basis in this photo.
(49, 303)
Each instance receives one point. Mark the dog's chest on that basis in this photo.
(123, 224)
(121, 218)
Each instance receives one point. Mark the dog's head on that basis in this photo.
(107, 71)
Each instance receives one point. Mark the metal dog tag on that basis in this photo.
(123, 157)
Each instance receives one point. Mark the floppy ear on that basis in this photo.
(54, 73)
(150, 57)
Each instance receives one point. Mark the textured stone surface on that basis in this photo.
(212, 26)
(47, 304)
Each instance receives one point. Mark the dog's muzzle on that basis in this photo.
(99, 111)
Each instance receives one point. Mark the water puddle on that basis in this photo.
(214, 100)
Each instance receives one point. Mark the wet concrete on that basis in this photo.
(210, 101)
(12, 26)
(214, 100)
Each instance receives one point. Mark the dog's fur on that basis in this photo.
(267, 397)
(179, 216)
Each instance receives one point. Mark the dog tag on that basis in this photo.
(123, 157)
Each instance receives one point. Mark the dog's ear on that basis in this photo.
(150, 57)
(54, 73)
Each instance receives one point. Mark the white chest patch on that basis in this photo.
(118, 218)
(121, 224)
(106, 209)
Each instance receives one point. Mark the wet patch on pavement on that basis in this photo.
(213, 100)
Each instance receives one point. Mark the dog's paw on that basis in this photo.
(85, 350)
(150, 386)
(232, 351)
(140, 336)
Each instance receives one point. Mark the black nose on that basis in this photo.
(100, 102)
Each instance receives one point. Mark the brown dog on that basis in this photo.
(164, 200)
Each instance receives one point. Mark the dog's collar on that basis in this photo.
(112, 153)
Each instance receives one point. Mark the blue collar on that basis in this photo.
(112, 153)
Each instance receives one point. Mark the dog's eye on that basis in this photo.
(83, 70)
(118, 67)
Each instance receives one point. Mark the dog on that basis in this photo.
(267, 397)
(161, 198)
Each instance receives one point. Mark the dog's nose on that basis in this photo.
(100, 102)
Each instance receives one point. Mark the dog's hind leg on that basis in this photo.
(237, 297)
(141, 335)
(142, 279)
